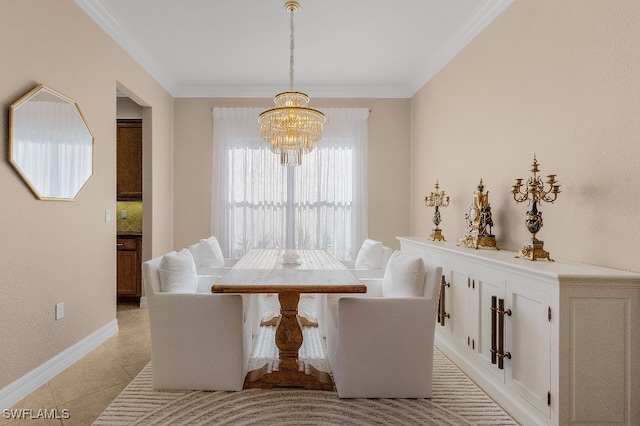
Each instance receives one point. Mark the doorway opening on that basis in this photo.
(132, 236)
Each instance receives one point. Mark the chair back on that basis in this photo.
(151, 276)
(432, 280)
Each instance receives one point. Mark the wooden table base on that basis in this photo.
(306, 320)
(313, 380)
(288, 341)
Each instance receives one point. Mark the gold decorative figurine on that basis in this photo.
(479, 221)
(534, 192)
(436, 199)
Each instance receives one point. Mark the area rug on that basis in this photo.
(456, 400)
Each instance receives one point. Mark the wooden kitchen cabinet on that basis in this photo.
(568, 333)
(129, 267)
(129, 160)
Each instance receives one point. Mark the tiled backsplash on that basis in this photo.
(132, 224)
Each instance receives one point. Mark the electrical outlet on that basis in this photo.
(59, 311)
(107, 215)
(123, 214)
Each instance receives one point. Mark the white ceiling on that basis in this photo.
(343, 48)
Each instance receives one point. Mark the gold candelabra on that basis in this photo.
(534, 192)
(436, 199)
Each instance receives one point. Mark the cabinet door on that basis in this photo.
(528, 339)
(457, 304)
(487, 285)
(129, 267)
(127, 271)
(129, 159)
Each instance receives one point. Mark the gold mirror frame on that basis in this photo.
(50, 144)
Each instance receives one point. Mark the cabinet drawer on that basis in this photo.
(127, 244)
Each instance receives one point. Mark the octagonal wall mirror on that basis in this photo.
(50, 144)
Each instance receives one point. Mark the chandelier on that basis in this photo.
(291, 127)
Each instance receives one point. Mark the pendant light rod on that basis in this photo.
(291, 6)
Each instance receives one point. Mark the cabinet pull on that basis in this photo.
(442, 314)
(471, 342)
(494, 314)
(501, 354)
(119, 245)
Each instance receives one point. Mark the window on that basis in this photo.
(260, 204)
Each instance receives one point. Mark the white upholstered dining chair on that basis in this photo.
(380, 345)
(370, 263)
(208, 258)
(371, 259)
(199, 341)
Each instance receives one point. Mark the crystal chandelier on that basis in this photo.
(291, 128)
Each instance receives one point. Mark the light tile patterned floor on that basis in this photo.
(87, 387)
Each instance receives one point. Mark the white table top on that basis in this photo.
(263, 271)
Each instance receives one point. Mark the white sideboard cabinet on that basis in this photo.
(554, 343)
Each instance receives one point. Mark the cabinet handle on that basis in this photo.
(442, 314)
(501, 354)
(119, 245)
(494, 315)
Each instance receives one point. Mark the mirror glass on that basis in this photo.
(50, 144)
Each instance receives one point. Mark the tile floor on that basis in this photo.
(88, 386)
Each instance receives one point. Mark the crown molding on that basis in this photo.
(314, 92)
(470, 30)
(118, 32)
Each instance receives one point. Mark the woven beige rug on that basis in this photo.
(456, 400)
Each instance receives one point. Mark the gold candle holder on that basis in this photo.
(436, 199)
(534, 192)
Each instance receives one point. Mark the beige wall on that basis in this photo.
(558, 79)
(127, 109)
(51, 251)
(388, 159)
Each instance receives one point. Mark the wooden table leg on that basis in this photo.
(271, 320)
(306, 320)
(289, 341)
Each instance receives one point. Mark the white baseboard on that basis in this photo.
(510, 401)
(31, 381)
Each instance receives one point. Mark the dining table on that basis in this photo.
(288, 273)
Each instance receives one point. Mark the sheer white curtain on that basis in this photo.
(256, 202)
